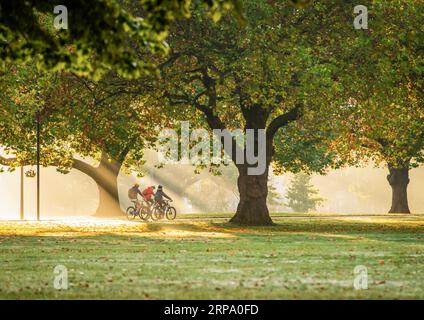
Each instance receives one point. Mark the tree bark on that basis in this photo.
(252, 209)
(398, 179)
(108, 190)
(106, 178)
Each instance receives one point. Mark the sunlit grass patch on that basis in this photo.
(155, 230)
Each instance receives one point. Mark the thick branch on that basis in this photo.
(76, 164)
(383, 142)
(212, 119)
(282, 121)
(84, 167)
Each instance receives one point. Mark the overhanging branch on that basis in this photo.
(282, 121)
(76, 164)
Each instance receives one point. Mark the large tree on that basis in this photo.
(266, 75)
(390, 134)
(384, 119)
(105, 120)
(80, 116)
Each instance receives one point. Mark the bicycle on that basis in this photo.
(159, 211)
(144, 211)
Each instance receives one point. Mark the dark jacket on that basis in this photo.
(159, 195)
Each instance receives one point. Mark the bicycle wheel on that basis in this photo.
(131, 213)
(144, 213)
(171, 213)
(156, 213)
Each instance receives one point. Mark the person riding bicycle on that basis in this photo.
(159, 195)
(148, 193)
(132, 194)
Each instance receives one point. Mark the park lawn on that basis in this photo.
(299, 258)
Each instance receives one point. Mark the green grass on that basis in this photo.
(299, 258)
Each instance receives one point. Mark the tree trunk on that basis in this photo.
(107, 183)
(252, 209)
(399, 179)
(108, 203)
(105, 176)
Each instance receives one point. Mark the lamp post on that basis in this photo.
(38, 166)
(22, 193)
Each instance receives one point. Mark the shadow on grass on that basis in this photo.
(325, 228)
(332, 225)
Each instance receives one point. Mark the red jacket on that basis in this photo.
(148, 193)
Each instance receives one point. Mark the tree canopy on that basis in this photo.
(274, 71)
(101, 34)
(80, 118)
(325, 93)
(384, 117)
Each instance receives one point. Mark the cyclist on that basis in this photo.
(132, 194)
(159, 195)
(148, 193)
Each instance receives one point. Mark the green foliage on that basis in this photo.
(78, 116)
(109, 116)
(384, 117)
(26, 94)
(102, 34)
(300, 147)
(225, 75)
(301, 195)
(360, 91)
